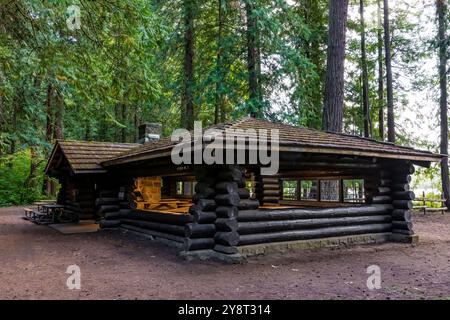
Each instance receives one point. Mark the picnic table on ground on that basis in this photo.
(46, 213)
(52, 212)
(41, 203)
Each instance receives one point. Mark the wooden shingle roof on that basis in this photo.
(293, 138)
(85, 156)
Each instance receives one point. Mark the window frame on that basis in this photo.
(318, 180)
(182, 195)
(297, 190)
(364, 199)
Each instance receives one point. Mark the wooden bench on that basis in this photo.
(29, 213)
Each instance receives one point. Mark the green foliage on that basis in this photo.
(15, 186)
(125, 66)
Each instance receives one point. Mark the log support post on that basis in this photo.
(402, 201)
(231, 198)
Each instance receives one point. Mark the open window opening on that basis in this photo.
(172, 195)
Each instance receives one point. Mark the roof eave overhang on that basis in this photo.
(423, 159)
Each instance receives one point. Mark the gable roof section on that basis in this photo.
(85, 156)
(293, 138)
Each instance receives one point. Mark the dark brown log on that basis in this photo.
(231, 174)
(226, 187)
(271, 193)
(401, 215)
(208, 194)
(223, 224)
(108, 208)
(270, 199)
(112, 215)
(403, 195)
(105, 224)
(401, 178)
(106, 201)
(227, 238)
(225, 249)
(198, 244)
(400, 187)
(204, 217)
(381, 199)
(154, 216)
(228, 199)
(284, 225)
(202, 187)
(268, 181)
(271, 187)
(402, 225)
(243, 193)
(125, 212)
(206, 205)
(194, 230)
(248, 204)
(403, 204)
(405, 232)
(397, 178)
(383, 191)
(227, 212)
(124, 205)
(408, 169)
(265, 215)
(154, 233)
(156, 226)
(312, 234)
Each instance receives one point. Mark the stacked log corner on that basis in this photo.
(199, 234)
(402, 200)
(110, 208)
(232, 198)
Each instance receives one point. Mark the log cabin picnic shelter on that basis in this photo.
(330, 189)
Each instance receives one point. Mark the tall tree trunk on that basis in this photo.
(58, 132)
(17, 110)
(252, 59)
(218, 111)
(188, 93)
(49, 113)
(441, 9)
(365, 76)
(380, 73)
(29, 183)
(334, 80)
(389, 81)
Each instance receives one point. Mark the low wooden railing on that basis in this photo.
(423, 204)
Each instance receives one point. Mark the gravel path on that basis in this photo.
(115, 265)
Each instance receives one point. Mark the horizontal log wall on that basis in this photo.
(79, 197)
(264, 226)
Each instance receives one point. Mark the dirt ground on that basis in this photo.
(116, 265)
